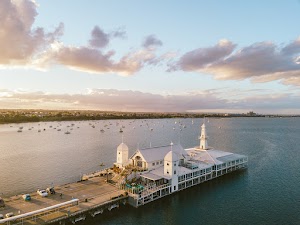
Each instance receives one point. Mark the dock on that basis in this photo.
(71, 202)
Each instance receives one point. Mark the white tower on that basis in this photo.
(171, 162)
(203, 138)
(122, 155)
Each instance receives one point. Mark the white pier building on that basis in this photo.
(160, 171)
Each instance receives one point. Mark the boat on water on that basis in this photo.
(121, 131)
(67, 132)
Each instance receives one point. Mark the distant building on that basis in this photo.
(167, 169)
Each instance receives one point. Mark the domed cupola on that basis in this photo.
(122, 155)
(171, 160)
(122, 147)
(171, 169)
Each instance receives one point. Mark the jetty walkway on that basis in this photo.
(72, 201)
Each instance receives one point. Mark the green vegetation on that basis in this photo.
(22, 116)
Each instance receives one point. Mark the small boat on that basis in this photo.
(20, 130)
(67, 132)
(39, 130)
(121, 131)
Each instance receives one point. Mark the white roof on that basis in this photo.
(156, 174)
(159, 153)
(122, 147)
(171, 156)
(212, 156)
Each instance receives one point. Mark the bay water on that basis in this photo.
(267, 192)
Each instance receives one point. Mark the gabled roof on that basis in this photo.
(212, 156)
(158, 153)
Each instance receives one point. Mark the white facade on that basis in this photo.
(171, 168)
(122, 155)
(203, 138)
(171, 162)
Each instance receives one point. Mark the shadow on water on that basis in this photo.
(195, 205)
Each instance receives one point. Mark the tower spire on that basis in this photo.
(203, 138)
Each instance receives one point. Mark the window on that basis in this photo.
(161, 162)
(153, 164)
(174, 164)
(174, 171)
(174, 188)
(167, 164)
(119, 153)
(157, 163)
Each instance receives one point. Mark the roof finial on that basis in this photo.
(171, 146)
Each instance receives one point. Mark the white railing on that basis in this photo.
(39, 211)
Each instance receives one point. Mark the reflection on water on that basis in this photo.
(267, 193)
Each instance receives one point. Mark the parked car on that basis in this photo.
(1, 217)
(2, 204)
(42, 193)
(10, 214)
(50, 190)
(26, 197)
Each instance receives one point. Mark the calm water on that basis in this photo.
(267, 193)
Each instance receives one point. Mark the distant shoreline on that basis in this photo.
(27, 116)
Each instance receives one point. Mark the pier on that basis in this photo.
(72, 203)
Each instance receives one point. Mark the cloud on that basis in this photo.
(261, 62)
(100, 39)
(23, 45)
(19, 42)
(200, 58)
(93, 59)
(127, 100)
(151, 41)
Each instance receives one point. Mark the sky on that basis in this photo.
(155, 56)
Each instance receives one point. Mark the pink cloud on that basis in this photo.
(262, 62)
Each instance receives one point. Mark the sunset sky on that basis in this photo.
(135, 55)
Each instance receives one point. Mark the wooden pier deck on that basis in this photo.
(92, 193)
